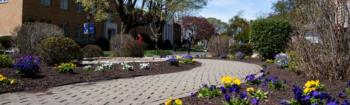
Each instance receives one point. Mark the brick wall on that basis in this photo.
(10, 16)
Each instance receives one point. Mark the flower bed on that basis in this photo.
(51, 77)
(283, 87)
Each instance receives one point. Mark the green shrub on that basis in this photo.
(7, 41)
(66, 67)
(247, 49)
(57, 50)
(270, 36)
(126, 46)
(91, 51)
(5, 60)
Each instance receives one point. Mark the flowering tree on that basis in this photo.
(200, 26)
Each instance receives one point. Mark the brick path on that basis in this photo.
(146, 90)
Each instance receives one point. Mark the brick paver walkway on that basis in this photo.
(146, 90)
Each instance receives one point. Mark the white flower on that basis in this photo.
(145, 66)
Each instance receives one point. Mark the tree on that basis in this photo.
(241, 28)
(166, 10)
(270, 36)
(282, 9)
(203, 30)
(327, 23)
(135, 13)
(220, 26)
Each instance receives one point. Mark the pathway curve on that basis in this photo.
(145, 90)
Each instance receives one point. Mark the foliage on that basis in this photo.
(220, 26)
(88, 68)
(269, 61)
(218, 46)
(208, 92)
(203, 30)
(187, 59)
(5, 80)
(252, 80)
(241, 28)
(29, 35)
(134, 13)
(103, 43)
(91, 51)
(270, 37)
(127, 67)
(246, 49)
(236, 100)
(27, 65)
(276, 84)
(66, 67)
(126, 46)
(7, 41)
(170, 101)
(173, 61)
(56, 50)
(5, 60)
(145, 66)
(104, 67)
(257, 94)
(322, 38)
(282, 60)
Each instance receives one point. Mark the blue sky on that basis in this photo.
(226, 9)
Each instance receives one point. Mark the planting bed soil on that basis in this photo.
(275, 97)
(50, 77)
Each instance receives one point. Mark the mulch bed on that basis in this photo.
(275, 96)
(50, 77)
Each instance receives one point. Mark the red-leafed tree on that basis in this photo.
(203, 30)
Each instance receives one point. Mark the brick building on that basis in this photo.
(67, 14)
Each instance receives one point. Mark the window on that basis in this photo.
(64, 4)
(45, 2)
(78, 31)
(3, 1)
(79, 8)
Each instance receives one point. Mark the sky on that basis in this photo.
(226, 9)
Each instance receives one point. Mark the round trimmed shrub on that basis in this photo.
(270, 36)
(57, 50)
(91, 51)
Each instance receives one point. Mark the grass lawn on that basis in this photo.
(149, 53)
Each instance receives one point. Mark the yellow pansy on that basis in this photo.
(250, 90)
(168, 101)
(178, 102)
(227, 80)
(308, 90)
(2, 77)
(13, 81)
(178, 57)
(237, 81)
(312, 83)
